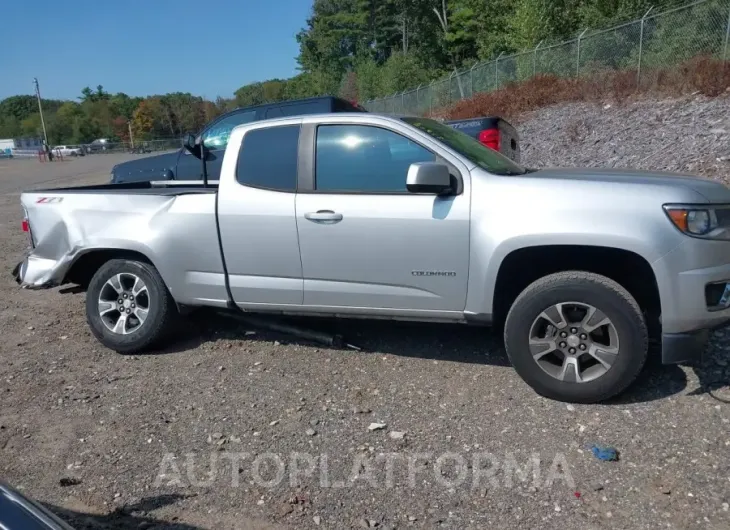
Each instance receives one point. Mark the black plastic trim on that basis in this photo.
(307, 146)
(684, 347)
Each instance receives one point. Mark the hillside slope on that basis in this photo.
(688, 134)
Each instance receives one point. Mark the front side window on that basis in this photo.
(361, 158)
(217, 136)
(268, 158)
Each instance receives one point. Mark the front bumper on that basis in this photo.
(687, 316)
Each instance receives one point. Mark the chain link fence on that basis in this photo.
(654, 42)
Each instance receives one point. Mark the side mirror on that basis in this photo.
(428, 177)
(192, 146)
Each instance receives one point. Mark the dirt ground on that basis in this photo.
(426, 426)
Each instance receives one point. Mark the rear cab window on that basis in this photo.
(268, 158)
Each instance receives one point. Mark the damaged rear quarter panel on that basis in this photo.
(177, 233)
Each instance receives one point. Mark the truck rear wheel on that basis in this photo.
(128, 306)
(577, 337)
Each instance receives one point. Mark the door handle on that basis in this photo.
(323, 216)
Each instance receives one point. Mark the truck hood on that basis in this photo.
(158, 167)
(711, 190)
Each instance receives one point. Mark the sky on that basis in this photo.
(209, 48)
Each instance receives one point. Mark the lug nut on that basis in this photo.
(582, 346)
(563, 334)
(563, 345)
(121, 301)
(571, 350)
(129, 310)
(574, 330)
(583, 336)
(133, 305)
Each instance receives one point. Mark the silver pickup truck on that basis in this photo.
(362, 215)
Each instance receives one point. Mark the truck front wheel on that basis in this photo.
(128, 306)
(577, 337)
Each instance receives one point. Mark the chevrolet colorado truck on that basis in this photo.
(364, 215)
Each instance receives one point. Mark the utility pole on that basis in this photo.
(131, 138)
(40, 109)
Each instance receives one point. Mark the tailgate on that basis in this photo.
(509, 138)
(509, 141)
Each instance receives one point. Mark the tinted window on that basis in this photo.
(302, 108)
(273, 112)
(217, 136)
(268, 158)
(363, 158)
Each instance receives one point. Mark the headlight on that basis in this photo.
(706, 222)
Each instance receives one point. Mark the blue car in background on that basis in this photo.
(493, 132)
(18, 512)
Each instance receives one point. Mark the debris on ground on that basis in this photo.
(288, 329)
(65, 482)
(605, 453)
(376, 426)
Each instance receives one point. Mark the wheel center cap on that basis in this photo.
(573, 341)
(127, 303)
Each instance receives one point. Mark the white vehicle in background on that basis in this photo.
(68, 150)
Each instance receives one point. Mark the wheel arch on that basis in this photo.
(85, 264)
(629, 268)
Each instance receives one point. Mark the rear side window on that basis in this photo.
(268, 158)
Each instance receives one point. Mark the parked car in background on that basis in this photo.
(18, 512)
(68, 150)
(181, 166)
(100, 144)
(364, 215)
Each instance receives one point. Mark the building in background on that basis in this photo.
(8, 147)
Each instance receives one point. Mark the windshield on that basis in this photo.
(465, 145)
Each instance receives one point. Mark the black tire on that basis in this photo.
(160, 319)
(588, 288)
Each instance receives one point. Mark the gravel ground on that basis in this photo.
(688, 134)
(426, 426)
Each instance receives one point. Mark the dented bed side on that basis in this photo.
(175, 231)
